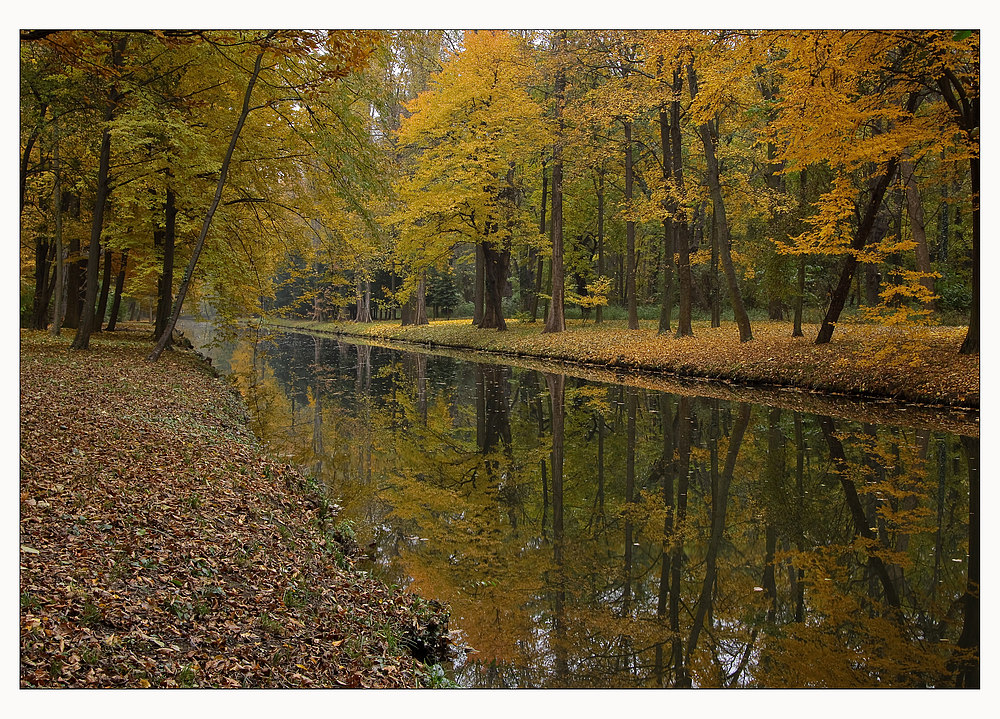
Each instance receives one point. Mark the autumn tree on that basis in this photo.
(473, 129)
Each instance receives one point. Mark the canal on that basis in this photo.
(608, 534)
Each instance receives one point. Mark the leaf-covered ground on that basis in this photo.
(161, 547)
(911, 364)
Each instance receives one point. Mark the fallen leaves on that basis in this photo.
(160, 546)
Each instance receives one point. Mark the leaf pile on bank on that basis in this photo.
(160, 547)
(918, 364)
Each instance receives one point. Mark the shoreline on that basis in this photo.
(852, 395)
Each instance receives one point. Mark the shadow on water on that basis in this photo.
(589, 534)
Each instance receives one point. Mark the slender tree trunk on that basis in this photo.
(119, 287)
(861, 524)
(556, 319)
(968, 641)
(971, 343)
(682, 239)
(541, 231)
(60, 288)
(713, 276)
(165, 285)
(915, 211)
(630, 298)
(843, 288)
(599, 314)
(196, 253)
(102, 302)
(709, 132)
(82, 339)
(800, 292)
(720, 498)
(29, 145)
(477, 291)
(667, 265)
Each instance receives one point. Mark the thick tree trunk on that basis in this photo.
(630, 298)
(44, 255)
(419, 316)
(496, 264)
(196, 253)
(119, 286)
(477, 291)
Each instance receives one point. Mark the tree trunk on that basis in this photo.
(667, 265)
(915, 211)
(478, 289)
(800, 291)
(843, 288)
(682, 239)
(165, 285)
(599, 314)
(708, 132)
(556, 319)
(630, 298)
(86, 326)
(119, 286)
(713, 277)
(496, 263)
(44, 255)
(189, 272)
(541, 259)
(102, 302)
(60, 288)
(419, 316)
(839, 297)
(971, 343)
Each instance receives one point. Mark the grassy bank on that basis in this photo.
(160, 546)
(920, 365)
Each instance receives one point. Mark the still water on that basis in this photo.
(591, 534)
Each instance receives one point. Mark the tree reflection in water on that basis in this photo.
(597, 535)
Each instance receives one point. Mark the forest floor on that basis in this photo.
(161, 547)
(913, 364)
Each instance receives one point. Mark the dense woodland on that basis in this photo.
(605, 175)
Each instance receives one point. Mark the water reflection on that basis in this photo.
(599, 535)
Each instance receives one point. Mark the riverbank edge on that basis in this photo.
(780, 374)
(66, 635)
